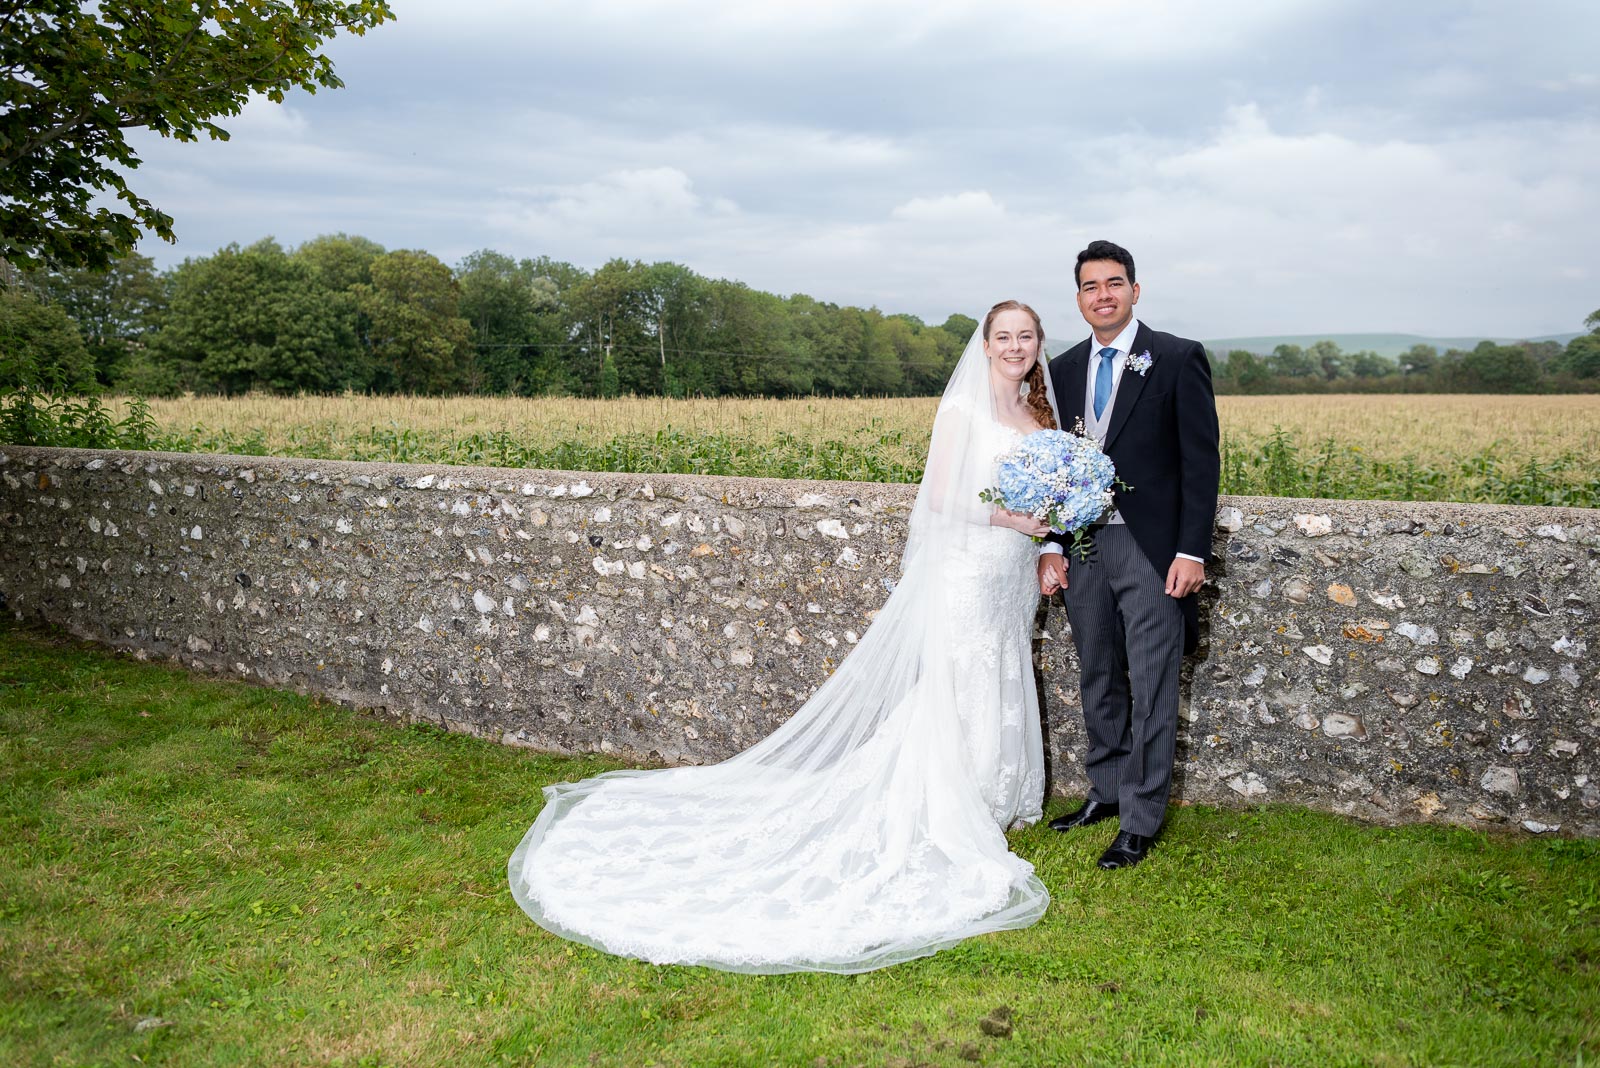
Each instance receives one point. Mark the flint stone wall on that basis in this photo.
(1399, 662)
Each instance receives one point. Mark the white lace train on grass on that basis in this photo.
(868, 829)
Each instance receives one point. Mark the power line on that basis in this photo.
(652, 353)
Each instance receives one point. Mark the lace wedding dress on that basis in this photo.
(869, 828)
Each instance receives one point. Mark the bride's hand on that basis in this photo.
(1022, 521)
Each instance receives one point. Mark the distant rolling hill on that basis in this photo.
(1382, 344)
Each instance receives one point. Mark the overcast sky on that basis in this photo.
(1318, 166)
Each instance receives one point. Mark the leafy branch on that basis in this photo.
(74, 77)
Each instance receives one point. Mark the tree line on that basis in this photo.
(1488, 367)
(341, 313)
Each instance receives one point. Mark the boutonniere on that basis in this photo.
(1140, 363)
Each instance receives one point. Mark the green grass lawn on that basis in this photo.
(201, 872)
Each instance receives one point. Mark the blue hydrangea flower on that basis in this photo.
(1064, 479)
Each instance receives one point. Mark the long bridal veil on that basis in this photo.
(868, 828)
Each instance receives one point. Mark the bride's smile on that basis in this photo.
(1012, 345)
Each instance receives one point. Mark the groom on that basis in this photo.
(1146, 396)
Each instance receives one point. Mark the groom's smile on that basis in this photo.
(1105, 297)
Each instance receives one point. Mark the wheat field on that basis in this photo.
(1444, 424)
(1386, 425)
(1514, 450)
(547, 419)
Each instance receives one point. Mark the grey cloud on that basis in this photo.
(1299, 167)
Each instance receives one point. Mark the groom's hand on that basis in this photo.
(1185, 577)
(1052, 573)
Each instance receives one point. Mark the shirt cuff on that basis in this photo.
(1186, 556)
(1050, 547)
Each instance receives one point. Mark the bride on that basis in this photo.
(868, 829)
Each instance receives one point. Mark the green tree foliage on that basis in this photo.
(1522, 367)
(674, 305)
(40, 346)
(750, 342)
(256, 318)
(827, 338)
(339, 312)
(609, 384)
(508, 307)
(146, 374)
(419, 342)
(78, 76)
(1582, 357)
(1543, 353)
(562, 275)
(339, 261)
(636, 311)
(551, 366)
(961, 327)
(880, 371)
(1245, 372)
(1327, 360)
(603, 312)
(925, 363)
(1292, 361)
(1371, 365)
(1419, 360)
(1491, 368)
(113, 307)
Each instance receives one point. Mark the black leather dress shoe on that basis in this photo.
(1125, 850)
(1091, 812)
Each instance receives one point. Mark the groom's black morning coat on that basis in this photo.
(1163, 440)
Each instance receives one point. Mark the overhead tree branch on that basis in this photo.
(79, 75)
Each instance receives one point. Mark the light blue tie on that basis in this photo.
(1102, 381)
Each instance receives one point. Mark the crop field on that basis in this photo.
(1509, 450)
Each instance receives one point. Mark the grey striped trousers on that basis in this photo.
(1129, 635)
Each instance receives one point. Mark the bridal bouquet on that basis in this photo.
(1061, 478)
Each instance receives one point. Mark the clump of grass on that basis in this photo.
(1280, 464)
(202, 872)
(31, 416)
(782, 455)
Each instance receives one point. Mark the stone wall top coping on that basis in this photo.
(801, 493)
(543, 482)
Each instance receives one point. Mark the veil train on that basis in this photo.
(868, 828)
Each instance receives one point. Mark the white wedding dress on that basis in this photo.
(869, 828)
